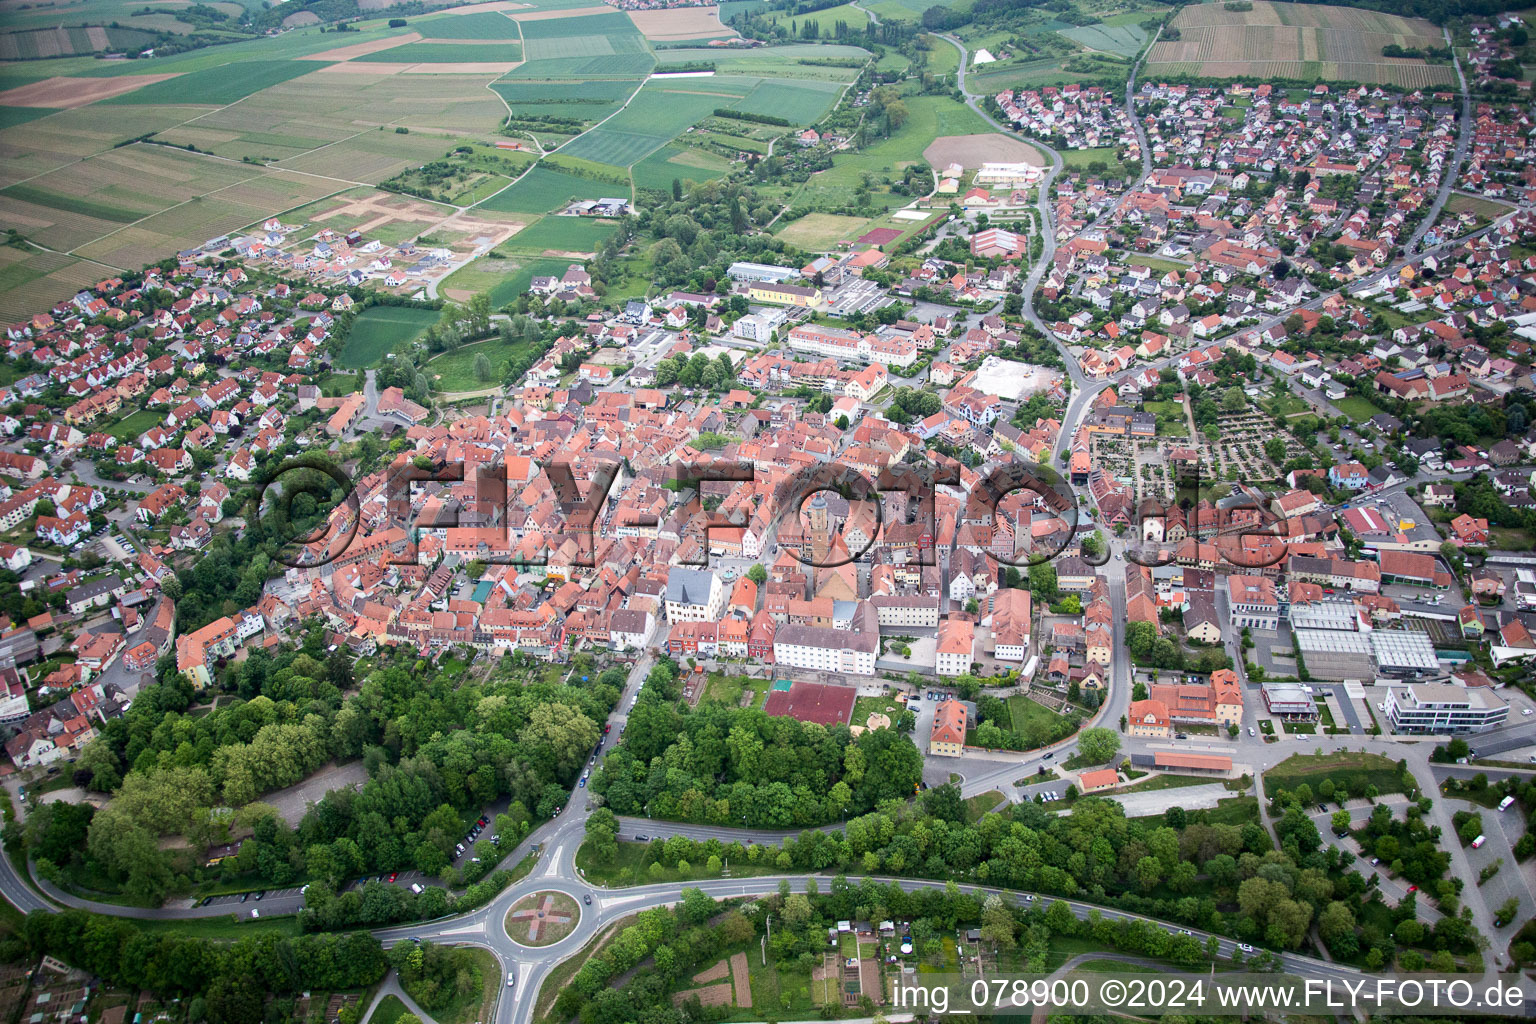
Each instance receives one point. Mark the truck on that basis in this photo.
(1506, 803)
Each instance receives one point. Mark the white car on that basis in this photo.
(1525, 711)
(1245, 947)
(511, 978)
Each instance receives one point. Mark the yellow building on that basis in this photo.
(785, 294)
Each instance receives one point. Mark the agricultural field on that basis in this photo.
(479, 25)
(793, 61)
(664, 109)
(320, 126)
(587, 100)
(546, 187)
(595, 35)
(1123, 40)
(562, 234)
(680, 23)
(172, 199)
(218, 85)
(462, 51)
(32, 280)
(683, 163)
(378, 330)
(35, 44)
(1300, 41)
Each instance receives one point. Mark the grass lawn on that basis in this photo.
(1025, 710)
(1153, 263)
(455, 371)
(980, 804)
(505, 279)
(1171, 421)
(1080, 159)
(1312, 769)
(1357, 408)
(629, 867)
(389, 1010)
(863, 707)
(131, 426)
(228, 927)
(727, 690)
(1287, 405)
(1167, 782)
(382, 329)
(1234, 810)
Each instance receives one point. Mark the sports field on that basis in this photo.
(544, 188)
(1301, 41)
(378, 330)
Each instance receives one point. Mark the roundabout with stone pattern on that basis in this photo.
(542, 918)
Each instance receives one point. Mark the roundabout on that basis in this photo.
(542, 918)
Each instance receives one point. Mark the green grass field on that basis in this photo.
(821, 231)
(480, 25)
(1357, 408)
(800, 101)
(590, 101)
(1124, 40)
(455, 371)
(135, 423)
(217, 85)
(544, 189)
(566, 234)
(659, 112)
(389, 1010)
(1312, 769)
(825, 20)
(503, 279)
(382, 329)
(1023, 711)
(447, 53)
(929, 117)
(681, 162)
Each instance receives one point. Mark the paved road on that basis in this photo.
(1453, 168)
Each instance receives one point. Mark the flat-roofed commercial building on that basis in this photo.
(1440, 708)
(1289, 700)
